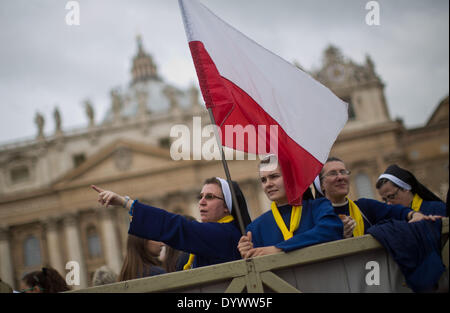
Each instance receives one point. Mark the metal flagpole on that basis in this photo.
(227, 173)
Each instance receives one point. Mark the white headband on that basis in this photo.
(396, 181)
(226, 193)
(317, 185)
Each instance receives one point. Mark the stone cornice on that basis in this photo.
(370, 131)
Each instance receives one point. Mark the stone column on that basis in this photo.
(53, 243)
(74, 248)
(6, 267)
(112, 251)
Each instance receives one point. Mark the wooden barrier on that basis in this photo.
(338, 266)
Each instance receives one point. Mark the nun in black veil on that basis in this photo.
(399, 186)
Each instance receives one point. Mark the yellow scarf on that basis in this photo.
(355, 214)
(296, 215)
(225, 219)
(416, 203)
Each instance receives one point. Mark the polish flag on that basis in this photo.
(246, 84)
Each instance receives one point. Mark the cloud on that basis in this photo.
(45, 62)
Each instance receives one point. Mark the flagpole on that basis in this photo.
(227, 173)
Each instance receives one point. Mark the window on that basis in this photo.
(32, 251)
(78, 159)
(364, 186)
(93, 241)
(164, 142)
(20, 174)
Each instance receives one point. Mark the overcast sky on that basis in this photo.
(46, 63)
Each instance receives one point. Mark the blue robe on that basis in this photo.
(211, 243)
(376, 211)
(433, 208)
(318, 224)
(416, 247)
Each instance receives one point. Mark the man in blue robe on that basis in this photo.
(212, 241)
(286, 227)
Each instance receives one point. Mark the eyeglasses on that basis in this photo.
(208, 197)
(336, 173)
(392, 196)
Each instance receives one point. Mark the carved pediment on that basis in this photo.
(338, 72)
(116, 161)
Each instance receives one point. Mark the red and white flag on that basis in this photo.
(246, 84)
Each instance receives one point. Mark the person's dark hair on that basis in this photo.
(48, 280)
(138, 260)
(213, 180)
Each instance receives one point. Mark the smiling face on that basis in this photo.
(273, 185)
(212, 210)
(335, 187)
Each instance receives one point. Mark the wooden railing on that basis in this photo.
(349, 265)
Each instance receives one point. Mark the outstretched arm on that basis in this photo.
(206, 239)
(417, 216)
(106, 197)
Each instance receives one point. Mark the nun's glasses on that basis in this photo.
(208, 197)
(336, 173)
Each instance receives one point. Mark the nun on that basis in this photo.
(399, 186)
(213, 240)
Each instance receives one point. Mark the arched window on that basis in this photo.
(93, 241)
(364, 186)
(32, 251)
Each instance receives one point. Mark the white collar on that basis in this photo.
(340, 204)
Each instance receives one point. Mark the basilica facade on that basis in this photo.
(49, 215)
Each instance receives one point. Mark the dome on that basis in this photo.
(147, 92)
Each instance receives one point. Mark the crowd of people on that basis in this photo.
(327, 216)
(187, 243)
